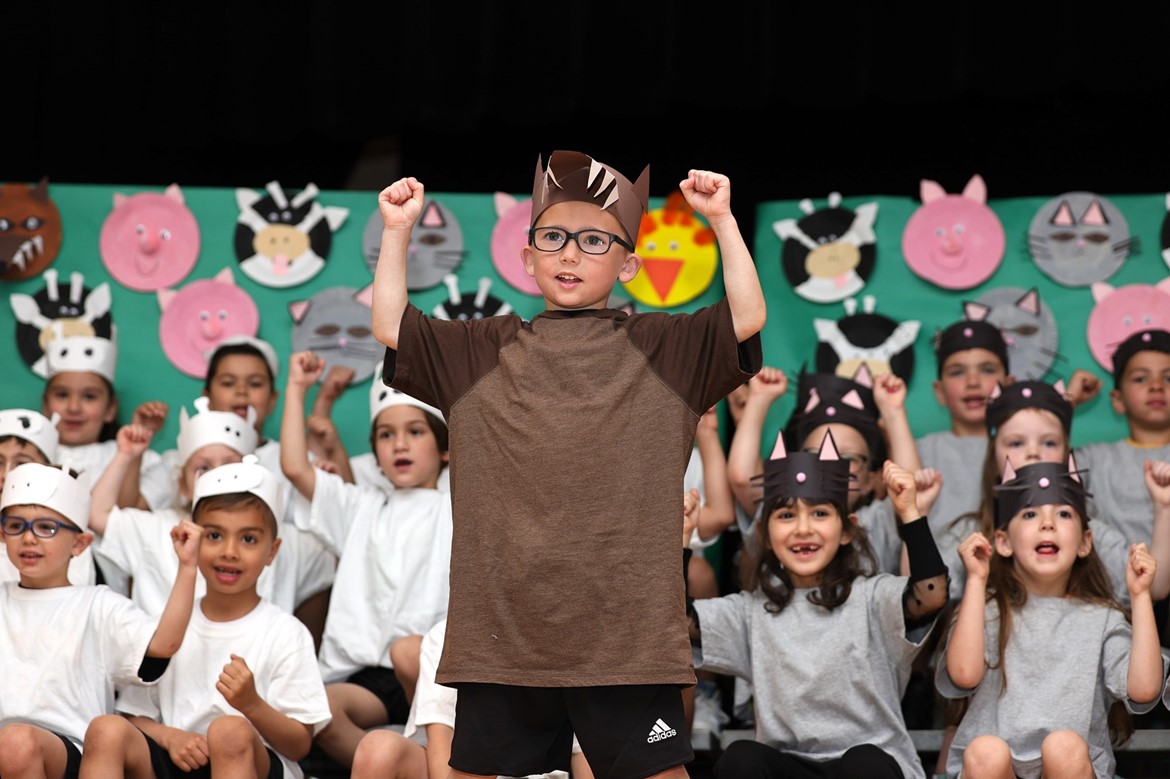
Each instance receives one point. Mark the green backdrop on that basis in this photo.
(789, 339)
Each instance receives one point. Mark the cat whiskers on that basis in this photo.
(372, 351)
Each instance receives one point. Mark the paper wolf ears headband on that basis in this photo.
(1141, 341)
(820, 476)
(32, 426)
(1039, 484)
(215, 427)
(970, 334)
(573, 176)
(49, 486)
(825, 398)
(1006, 401)
(247, 476)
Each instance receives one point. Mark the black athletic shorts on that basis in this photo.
(164, 768)
(72, 757)
(385, 685)
(625, 732)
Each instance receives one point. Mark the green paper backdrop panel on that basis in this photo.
(789, 339)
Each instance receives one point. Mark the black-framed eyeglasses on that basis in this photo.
(42, 527)
(553, 239)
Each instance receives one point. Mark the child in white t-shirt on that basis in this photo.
(244, 692)
(66, 646)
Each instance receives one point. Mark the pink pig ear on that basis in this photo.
(778, 451)
(814, 400)
(1009, 472)
(225, 276)
(863, 375)
(930, 190)
(828, 447)
(976, 189)
(853, 400)
(1030, 302)
(1063, 216)
(174, 193)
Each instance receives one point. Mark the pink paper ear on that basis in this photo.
(778, 451)
(431, 216)
(165, 296)
(1063, 217)
(976, 189)
(931, 190)
(298, 309)
(1102, 290)
(1072, 466)
(174, 193)
(976, 312)
(225, 276)
(1094, 215)
(863, 375)
(1059, 387)
(853, 399)
(365, 296)
(996, 391)
(814, 400)
(503, 201)
(829, 447)
(119, 199)
(1009, 472)
(1030, 302)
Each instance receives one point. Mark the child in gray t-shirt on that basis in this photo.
(826, 644)
(1040, 645)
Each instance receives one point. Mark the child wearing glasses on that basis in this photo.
(567, 605)
(65, 647)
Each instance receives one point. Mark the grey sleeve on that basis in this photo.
(725, 634)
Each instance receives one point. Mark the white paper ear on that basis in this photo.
(778, 451)
(829, 447)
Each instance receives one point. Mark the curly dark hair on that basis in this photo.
(764, 571)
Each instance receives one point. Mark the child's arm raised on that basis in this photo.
(1157, 477)
(304, 368)
(717, 511)
(710, 195)
(172, 624)
(151, 415)
(743, 459)
(966, 647)
(927, 571)
(132, 441)
(400, 204)
(283, 733)
(889, 394)
(1145, 677)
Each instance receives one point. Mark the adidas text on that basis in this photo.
(660, 731)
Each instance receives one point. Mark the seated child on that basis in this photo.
(26, 436)
(66, 646)
(826, 643)
(394, 553)
(134, 540)
(243, 692)
(1040, 646)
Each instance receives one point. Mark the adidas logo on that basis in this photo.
(660, 731)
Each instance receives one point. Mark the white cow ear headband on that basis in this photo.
(33, 484)
(208, 427)
(34, 427)
(82, 354)
(248, 477)
(383, 396)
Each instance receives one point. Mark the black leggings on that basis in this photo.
(752, 760)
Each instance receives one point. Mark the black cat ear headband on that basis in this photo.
(825, 398)
(970, 334)
(1039, 484)
(1006, 401)
(1141, 341)
(823, 476)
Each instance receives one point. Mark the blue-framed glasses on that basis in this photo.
(42, 527)
(553, 239)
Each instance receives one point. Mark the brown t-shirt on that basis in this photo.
(570, 435)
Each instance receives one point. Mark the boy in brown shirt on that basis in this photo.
(570, 435)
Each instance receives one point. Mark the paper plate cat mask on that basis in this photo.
(828, 254)
(283, 239)
(436, 245)
(1079, 238)
(884, 345)
(30, 230)
(679, 255)
(1027, 324)
(335, 323)
(150, 240)
(953, 241)
(56, 313)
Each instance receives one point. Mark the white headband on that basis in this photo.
(32, 426)
(43, 485)
(215, 427)
(383, 397)
(82, 353)
(247, 476)
(263, 347)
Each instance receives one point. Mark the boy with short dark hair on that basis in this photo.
(244, 691)
(570, 436)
